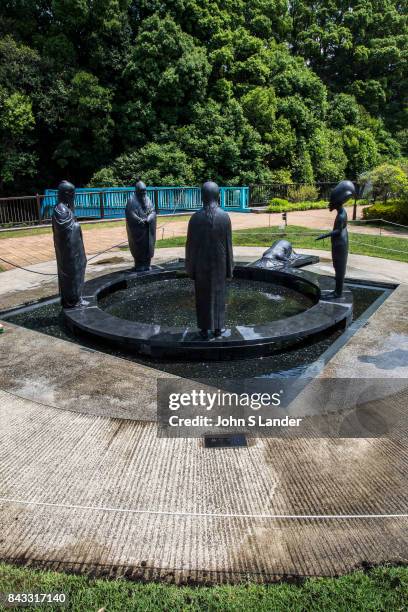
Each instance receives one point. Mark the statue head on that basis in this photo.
(280, 249)
(141, 191)
(210, 193)
(341, 193)
(66, 194)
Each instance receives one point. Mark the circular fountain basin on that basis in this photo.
(153, 312)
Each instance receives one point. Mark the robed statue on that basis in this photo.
(209, 260)
(339, 236)
(141, 227)
(69, 247)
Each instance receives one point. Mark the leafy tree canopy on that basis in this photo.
(179, 91)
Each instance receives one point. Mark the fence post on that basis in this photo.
(243, 194)
(38, 200)
(101, 205)
(156, 200)
(355, 209)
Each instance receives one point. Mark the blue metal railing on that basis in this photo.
(110, 203)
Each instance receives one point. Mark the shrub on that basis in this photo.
(285, 206)
(384, 182)
(105, 177)
(277, 202)
(283, 175)
(303, 193)
(395, 211)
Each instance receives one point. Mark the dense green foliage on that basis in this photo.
(281, 205)
(383, 588)
(395, 211)
(386, 187)
(178, 91)
(303, 193)
(385, 182)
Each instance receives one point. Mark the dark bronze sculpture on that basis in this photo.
(141, 227)
(209, 260)
(339, 236)
(280, 255)
(69, 247)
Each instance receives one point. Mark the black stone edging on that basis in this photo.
(239, 341)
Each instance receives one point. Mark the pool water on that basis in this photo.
(171, 302)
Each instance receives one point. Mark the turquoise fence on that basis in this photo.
(109, 203)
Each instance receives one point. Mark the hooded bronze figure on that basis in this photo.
(209, 260)
(69, 247)
(141, 227)
(339, 236)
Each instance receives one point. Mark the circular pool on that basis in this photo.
(153, 312)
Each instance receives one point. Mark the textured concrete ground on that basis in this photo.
(86, 485)
(26, 250)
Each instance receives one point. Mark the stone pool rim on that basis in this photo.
(239, 341)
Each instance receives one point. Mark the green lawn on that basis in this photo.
(303, 238)
(383, 225)
(36, 231)
(383, 588)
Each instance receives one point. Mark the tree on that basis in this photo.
(259, 106)
(302, 166)
(358, 48)
(228, 149)
(384, 182)
(88, 122)
(156, 164)
(327, 155)
(166, 74)
(16, 124)
(360, 149)
(247, 90)
(343, 110)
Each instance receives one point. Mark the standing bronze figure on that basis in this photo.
(69, 247)
(141, 227)
(339, 236)
(209, 260)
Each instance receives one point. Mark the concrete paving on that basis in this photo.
(86, 485)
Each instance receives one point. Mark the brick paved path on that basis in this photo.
(36, 249)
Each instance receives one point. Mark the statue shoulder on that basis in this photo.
(223, 216)
(131, 200)
(196, 217)
(62, 214)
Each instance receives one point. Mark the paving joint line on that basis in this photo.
(10, 500)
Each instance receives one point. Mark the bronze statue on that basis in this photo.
(209, 260)
(69, 247)
(278, 256)
(339, 236)
(141, 227)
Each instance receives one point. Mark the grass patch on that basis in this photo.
(383, 588)
(37, 231)
(304, 238)
(395, 229)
